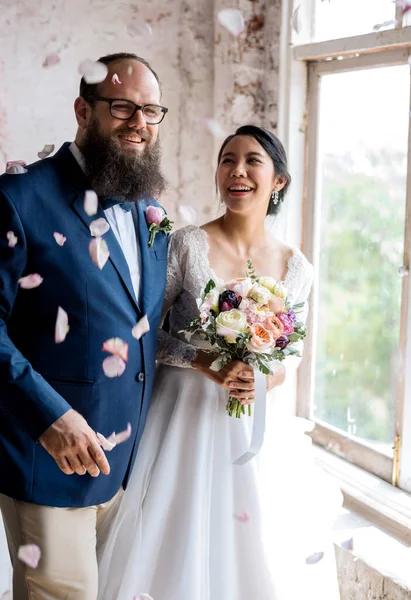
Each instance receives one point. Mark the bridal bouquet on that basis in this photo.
(248, 319)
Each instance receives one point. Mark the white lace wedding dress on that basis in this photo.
(193, 526)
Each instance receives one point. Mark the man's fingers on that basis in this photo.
(99, 458)
(76, 464)
(64, 465)
(89, 463)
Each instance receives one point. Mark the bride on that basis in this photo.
(192, 525)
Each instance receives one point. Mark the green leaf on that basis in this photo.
(210, 286)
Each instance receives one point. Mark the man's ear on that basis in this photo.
(82, 110)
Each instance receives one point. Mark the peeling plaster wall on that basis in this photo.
(206, 74)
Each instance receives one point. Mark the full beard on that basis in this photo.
(118, 174)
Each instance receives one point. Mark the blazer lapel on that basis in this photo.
(148, 259)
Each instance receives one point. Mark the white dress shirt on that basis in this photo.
(122, 224)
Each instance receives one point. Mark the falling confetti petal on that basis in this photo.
(382, 25)
(187, 214)
(116, 346)
(15, 167)
(7, 595)
(90, 203)
(243, 516)
(30, 555)
(106, 445)
(142, 327)
(406, 8)
(115, 79)
(348, 544)
(47, 150)
(93, 72)
(314, 558)
(232, 19)
(213, 127)
(99, 227)
(13, 239)
(409, 61)
(113, 366)
(60, 239)
(296, 22)
(30, 281)
(99, 252)
(140, 28)
(129, 70)
(62, 326)
(142, 596)
(119, 438)
(51, 60)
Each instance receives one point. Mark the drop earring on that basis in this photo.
(275, 197)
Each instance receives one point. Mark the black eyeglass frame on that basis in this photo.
(137, 107)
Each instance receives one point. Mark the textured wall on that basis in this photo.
(206, 73)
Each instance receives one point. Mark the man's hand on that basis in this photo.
(74, 446)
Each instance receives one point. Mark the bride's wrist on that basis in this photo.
(202, 361)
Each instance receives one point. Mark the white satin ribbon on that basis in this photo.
(260, 404)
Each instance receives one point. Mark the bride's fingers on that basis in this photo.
(243, 394)
(246, 375)
(241, 385)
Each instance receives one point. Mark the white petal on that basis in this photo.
(30, 281)
(93, 72)
(7, 595)
(113, 366)
(30, 555)
(62, 326)
(116, 346)
(90, 203)
(104, 443)
(232, 19)
(51, 60)
(129, 70)
(118, 438)
(99, 252)
(296, 22)
(140, 28)
(142, 327)
(142, 596)
(213, 127)
(13, 239)
(48, 149)
(115, 79)
(15, 169)
(60, 239)
(99, 227)
(187, 213)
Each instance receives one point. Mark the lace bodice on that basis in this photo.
(187, 275)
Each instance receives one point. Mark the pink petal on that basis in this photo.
(48, 149)
(99, 252)
(90, 203)
(142, 327)
(93, 72)
(30, 281)
(51, 60)
(7, 595)
(9, 163)
(30, 555)
(296, 22)
(142, 29)
(62, 326)
(129, 70)
(16, 167)
(99, 227)
(142, 596)
(60, 239)
(13, 239)
(213, 127)
(115, 79)
(242, 516)
(116, 346)
(232, 19)
(113, 366)
(119, 438)
(104, 443)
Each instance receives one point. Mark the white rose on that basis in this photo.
(280, 291)
(241, 286)
(259, 294)
(211, 300)
(267, 282)
(230, 323)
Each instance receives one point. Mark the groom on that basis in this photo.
(57, 485)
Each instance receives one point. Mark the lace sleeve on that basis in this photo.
(171, 350)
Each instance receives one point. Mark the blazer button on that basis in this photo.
(140, 377)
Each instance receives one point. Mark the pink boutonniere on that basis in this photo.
(157, 221)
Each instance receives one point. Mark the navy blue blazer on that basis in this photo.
(39, 379)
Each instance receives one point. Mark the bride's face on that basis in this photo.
(245, 175)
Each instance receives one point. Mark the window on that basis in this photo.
(355, 381)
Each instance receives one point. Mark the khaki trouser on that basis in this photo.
(68, 539)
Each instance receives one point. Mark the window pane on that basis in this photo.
(364, 119)
(343, 18)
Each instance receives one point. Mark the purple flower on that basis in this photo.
(282, 342)
(292, 315)
(287, 321)
(229, 300)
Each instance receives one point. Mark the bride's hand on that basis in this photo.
(236, 376)
(277, 379)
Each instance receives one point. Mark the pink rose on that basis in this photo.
(276, 304)
(287, 321)
(154, 214)
(262, 340)
(240, 286)
(275, 326)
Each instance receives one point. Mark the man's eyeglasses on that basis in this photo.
(125, 109)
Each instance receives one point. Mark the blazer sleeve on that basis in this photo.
(25, 396)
